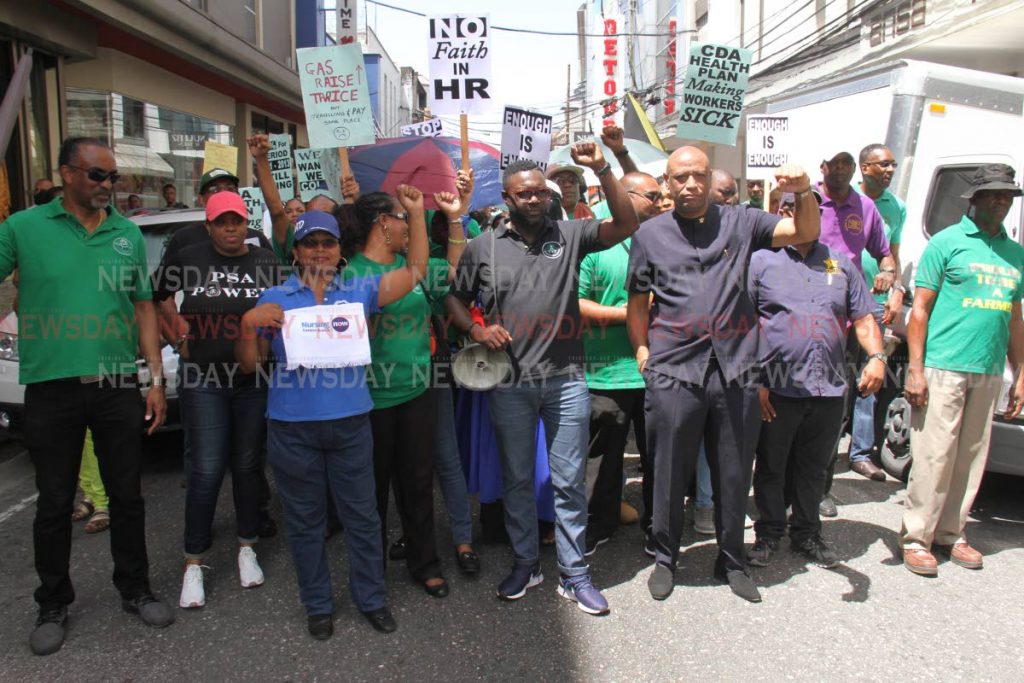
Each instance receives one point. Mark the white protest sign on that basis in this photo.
(431, 128)
(326, 336)
(460, 65)
(253, 198)
(311, 178)
(347, 26)
(525, 135)
(280, 158)
(713, 92)
(335, 96)
(767, 145)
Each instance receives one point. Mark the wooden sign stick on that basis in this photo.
(464, 129)
(346, 170)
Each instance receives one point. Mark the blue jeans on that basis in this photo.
(224, 428)
(448, 465)
(563, 403)
(862, 428)
(304, 455)
(703, 485)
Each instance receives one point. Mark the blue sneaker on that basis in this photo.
(580, 590)
(522, 577)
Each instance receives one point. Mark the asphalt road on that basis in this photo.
(870, 619)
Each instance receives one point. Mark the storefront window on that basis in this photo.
(153, 145)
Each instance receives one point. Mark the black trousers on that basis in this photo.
(794, 454)
(403, 450)
(727, 417)
(57, 414)
(611, 413)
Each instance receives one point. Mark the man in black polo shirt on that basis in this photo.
(690, 320)
(525, 276)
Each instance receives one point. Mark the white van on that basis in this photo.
(941, 123)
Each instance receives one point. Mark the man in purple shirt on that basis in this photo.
(851, 224)
(805, 296)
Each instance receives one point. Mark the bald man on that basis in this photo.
(723, 188)
(697, 354)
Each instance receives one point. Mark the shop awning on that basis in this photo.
(138, 160)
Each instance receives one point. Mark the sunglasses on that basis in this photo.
(882, 164)
(313, 243)
(652, 197)
(98, 175)
(401, 215)
(527, 195)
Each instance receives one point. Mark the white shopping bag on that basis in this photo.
(326, 336)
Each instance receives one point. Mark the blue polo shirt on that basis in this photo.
(803, 306)
(312, 394)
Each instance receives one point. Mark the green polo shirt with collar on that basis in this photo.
(978, 278)
(76, 292)
(894, 215)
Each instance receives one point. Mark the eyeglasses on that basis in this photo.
(527, 195)
(401, 215)
(882, 164)
(313, 243)
(98, 175)
(652, 197)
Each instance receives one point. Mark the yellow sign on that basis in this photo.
(216, 155)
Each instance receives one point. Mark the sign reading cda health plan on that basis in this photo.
(460, 65)
(713, 92)
(335, 96)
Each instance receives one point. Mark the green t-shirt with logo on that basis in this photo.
(611, 363)
(400, 334)
(437, 250)
(894, 215)
(978, 278)
(76, 292)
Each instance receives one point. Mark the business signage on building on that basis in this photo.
(608, 68)
(525, 135)
(894, 20)
(431, 128)
(347, 23)
(767, 145)
(669, 101)
(713, 93)
(460, 65)
(183, 141)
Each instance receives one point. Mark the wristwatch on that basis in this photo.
(880, 356)
(898, 286)
(158, 381)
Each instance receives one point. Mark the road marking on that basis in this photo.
(15, 509)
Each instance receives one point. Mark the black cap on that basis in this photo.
(993, 177)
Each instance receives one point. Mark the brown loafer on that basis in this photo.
(628, 514)
(962, 554)
(867, 469)
(920, 562)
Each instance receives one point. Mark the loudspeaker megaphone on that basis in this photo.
(479, 368)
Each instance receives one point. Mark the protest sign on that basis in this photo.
(216, 155)
(280, 158)
(767, 145)
(330, 170)
(460, 65)
(253, 198)
(713, 92)
(311, 178)
(335, 96)
(431, 128)
(347, 23)
(525, 135)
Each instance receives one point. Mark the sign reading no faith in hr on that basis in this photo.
(460, 65)
(335, 96)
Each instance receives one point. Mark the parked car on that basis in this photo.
(157, 228)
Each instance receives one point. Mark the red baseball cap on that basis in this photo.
(222, 202)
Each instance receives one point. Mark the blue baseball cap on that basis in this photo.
(316, 221)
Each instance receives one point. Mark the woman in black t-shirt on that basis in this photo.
(223, 410)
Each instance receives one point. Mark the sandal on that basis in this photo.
(82, 511)
(100, 521)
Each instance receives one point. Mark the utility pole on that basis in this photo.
(568, 102)
(631, 44)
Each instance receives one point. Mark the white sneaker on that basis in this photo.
(249, 572)
(192, 593)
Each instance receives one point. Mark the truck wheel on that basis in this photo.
(895, 450)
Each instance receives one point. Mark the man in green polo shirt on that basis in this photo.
(877, 167)
(615, 384)
(85, 310)
(965, 322)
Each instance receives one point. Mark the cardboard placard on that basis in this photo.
(431, 128)
(311, 176)
(253, 198)
(767, 145)
(335, 96)
(713, 93)
(459, 64)
(280, 158)
(525, 135)
(216, 155)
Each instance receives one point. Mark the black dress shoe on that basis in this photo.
(827, 507)
(397, 551)
(320, 626)
(468, 561)
(381, 620)
(439, 590)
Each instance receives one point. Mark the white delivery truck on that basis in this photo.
(942, 123)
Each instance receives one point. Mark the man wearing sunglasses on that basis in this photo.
(525, 274)
(85, 310)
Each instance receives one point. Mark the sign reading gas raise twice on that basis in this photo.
(335, 96)
(460, 65)
(716, 83)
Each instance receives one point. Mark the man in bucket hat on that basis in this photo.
(966, 320)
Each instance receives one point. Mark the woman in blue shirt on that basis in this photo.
(318, 426)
